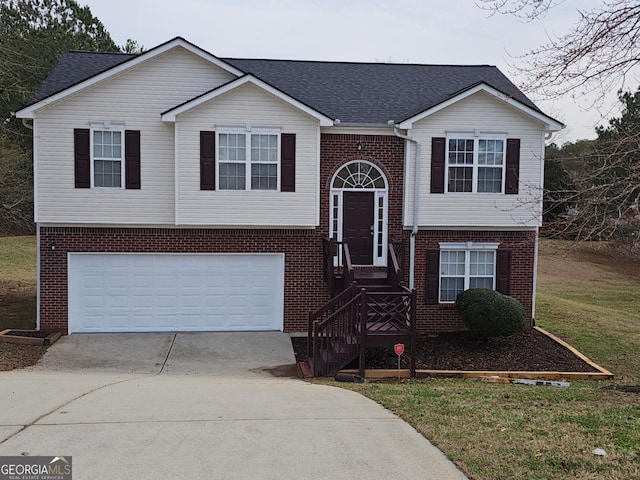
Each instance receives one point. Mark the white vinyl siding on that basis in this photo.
(486, 114)
(257, 111)
(136, 98)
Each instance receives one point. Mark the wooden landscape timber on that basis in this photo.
(600, 374)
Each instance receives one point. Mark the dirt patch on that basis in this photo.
(282, 371)
(623, 388)
(527, 351)
(19, 356)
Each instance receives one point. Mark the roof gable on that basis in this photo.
(170, 115)
(79, 70)
(550, 123)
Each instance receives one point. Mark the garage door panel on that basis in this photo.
(173, 292)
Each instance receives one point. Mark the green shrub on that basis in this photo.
(490, 314)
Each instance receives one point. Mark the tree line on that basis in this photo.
(34, 34)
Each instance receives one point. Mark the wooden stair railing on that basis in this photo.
(337, 277)
(342, 330)
(333, 333)
(356, 317)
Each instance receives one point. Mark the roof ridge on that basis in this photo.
(348, 62)
(101, 53)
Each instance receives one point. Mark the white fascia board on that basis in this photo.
(28, 112)
(550, 124)
(170, 115)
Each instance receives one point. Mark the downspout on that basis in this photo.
(416, 201)
(536, 255)
(26, 125)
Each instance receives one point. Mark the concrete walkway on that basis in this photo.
(185, 416)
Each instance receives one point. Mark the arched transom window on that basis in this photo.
(359, 175)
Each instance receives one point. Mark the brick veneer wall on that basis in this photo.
(443, 317)
(384, 151)
(304, 286)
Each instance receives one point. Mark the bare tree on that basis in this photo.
(597, 192)
(596, 55)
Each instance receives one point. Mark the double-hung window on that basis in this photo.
(475, 164)
(107, 157)
(248, 161)
(464, 266)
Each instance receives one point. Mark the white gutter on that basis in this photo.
(416, 201)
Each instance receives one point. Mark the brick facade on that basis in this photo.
(443, 317)
(304, 286)
(384, 151)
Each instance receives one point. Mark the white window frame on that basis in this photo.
(476, 150)
(467, 248)
(248, 132)
(107, 126)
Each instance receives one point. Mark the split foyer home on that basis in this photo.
(179, 191)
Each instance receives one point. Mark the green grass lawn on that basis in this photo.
(498, 431)
(18, 282)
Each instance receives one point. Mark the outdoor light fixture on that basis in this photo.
(53, 246)
(359, 146)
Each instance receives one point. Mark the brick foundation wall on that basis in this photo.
(443, 317)
(304, 286)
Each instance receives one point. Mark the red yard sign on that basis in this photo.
(398, 348)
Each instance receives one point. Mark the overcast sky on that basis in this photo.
(402, 31)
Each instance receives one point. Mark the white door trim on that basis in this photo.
(380, 213)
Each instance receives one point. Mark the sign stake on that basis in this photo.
(398, 348)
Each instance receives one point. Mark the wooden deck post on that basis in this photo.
(412, 366)
(363, 329)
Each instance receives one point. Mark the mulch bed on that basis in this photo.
(14, 355)
(527, 351)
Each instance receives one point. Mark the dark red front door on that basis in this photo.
(357, 226)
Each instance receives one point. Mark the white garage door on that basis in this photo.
(175, 292)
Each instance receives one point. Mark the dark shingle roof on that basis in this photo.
(76, 66)
(364, 93)
(374, 92)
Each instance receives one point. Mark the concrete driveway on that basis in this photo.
(210, 406)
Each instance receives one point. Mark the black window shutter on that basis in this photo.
(82, 157)
(432, 283)
(207, 161)
(288, 162)
(437, 164)
(503, 271)
(513, 166)
(132, 158)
